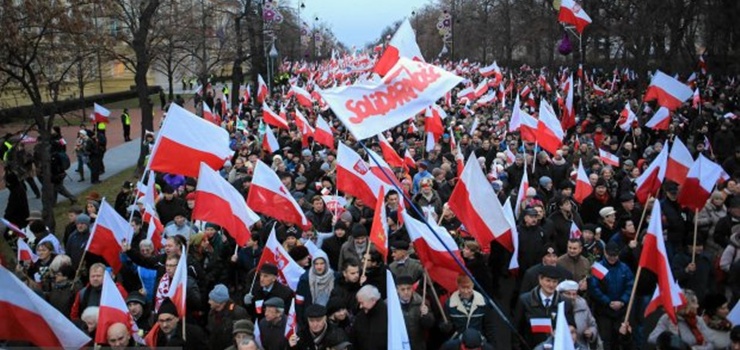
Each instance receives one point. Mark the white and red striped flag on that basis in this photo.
(270, 117)
(408, 160)
(403, 44)
(521, 193)
(389, 154)
(569, 113)
(583, 186)
(541, 325)
(509, 215)
(379, 230)
(679, 162)
(100, 114)
(268, 195)
(323, 133)
(650, 181)
(302, 97)
(25, 253)
(289, 272)
(572, 13)
(262, 90)
(106, 235)
(608, 158)
(626, 118)
(304, 127)
(599, 271)
(269, 141)
(669, 92)
(355, 177)
(113, 310)
(549, 132)
(291, 324)
(700, 181)
(575, 232)
(661, 120)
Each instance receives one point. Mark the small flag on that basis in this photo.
(599, 271)
(541, 325)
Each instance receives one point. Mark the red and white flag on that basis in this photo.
(183, 133)
(572, 13)
(669, 92)
(355, 177)
(113, 310)
(270, 117)
(700, 181)
(268, 195)
(217, 201)
(459, 158)
(661, 120)
(382, 171)
(291, 324)
(608, 158)
(599, 271)
(179, 284)
(154, 233)
(323, 134)
(696, 99)
(549, 132)
(492, 70)
(524, 123)
(269, 141)
(210, 116)
(476, 205)
(583, 186)
(262, 90)
(679, 162)
(106, 235)
(12, 227)
(25, 253)
(410, 87)
(389, 154)
(626, 118)
(482, 88)
(509, 214)
(649, 182)
(302, 96)
(466, 93)
(521, 193)
(289, 272)
(655, 258)
(599, 91)
(408, 160)
(379, 230)
(398, 337)
(30, 318)
(100, 114)
(541, 325)
(432, 254)
(575, 232)
(403, 44)
(569, 113)
(304, 127)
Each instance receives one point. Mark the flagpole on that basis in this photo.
(632, 295)
(136, 193)
(436, 298)
(79, 268)
(696, 229)
(364, 264)
(642, 219)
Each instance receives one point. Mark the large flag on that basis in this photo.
(183, 133)
(379, 229)
(403, 44)
(562, 338)
(661, 120)
(549, 132)
(436, 260)
(679, 162)
(700, 180)
(268, 195)
(476, 205)
(323, 134)
(569, 113)
(650, 181)
(669, 92)
(262, 90)
(217, 201)
(389, 154)
(274, 119)
(27, 317)
(408, 88)
(355, 177)
(289, 272)
(106, 235)
(100, 114)
(113, 309)
(626, 118)
(655, 258)
(583, 186)
(572, 13)
(398, 337)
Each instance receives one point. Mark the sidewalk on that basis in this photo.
(116, 160)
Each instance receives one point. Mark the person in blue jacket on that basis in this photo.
(611, 294)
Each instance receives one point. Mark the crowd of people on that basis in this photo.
(340, 300)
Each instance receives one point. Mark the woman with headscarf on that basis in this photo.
(315, 285)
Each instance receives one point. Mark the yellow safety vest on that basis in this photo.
(9, 147)
(101, 126)
(126, 119)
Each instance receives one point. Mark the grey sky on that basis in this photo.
(357, 22)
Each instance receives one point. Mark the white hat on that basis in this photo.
(567, 285)
(606, 211)
(83, 132)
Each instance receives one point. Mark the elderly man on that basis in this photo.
(468, 309)
(319, 334)
(243, 332)
(416, 313)
(370, 330)
(77, 240)
(268, 287)
(402, 264)
(170, 333)
(119, 337)
(222, 316)
(587, 334)
(272, 326)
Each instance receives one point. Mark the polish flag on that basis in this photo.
(523, 122)
(510, 157)
(13, 227)
(679, 162)
(702, 64)
(608, 158)
(412, 129)
(626, 118)
(569, 113)
(149, 212)
(27, 317)
(575, 232)
(525, 91)
(262, 90)
(660, 120)
(398, 337)
(509, 214)
(572, 13)
(154, 233)
(217, 201)
(408, 160)
(268, 195)
(433, 254)
(379, 230)
(649, 182)
(542, 81)
(272, 118)
(25, 253)
(100, 114)
(478, 208)
(669, 92)
(179, 284)
(700, 181)
(599, 271)
(302, 97)
(389, 154)
(323, 134)
(433, 121)
(382, 170)
(655, 258)
(210, 116)
(289, 272)
(482, 88)
(291, 323)
(549, 132)
(183, 133)
(599, 91)
(113, 310)
(696, 99)
(583, 186)
(303, 127)
(541, 325)
(468, 93)
(355, 177)
(269, 141)
(403, 44)
(247, 95)
(106, 235)
(521, 193)
(486, 100)
(459, 158)
(492, 70)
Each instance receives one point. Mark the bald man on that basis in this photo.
(119, 337)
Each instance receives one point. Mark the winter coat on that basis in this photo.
(682, 330)
(348, 251)
(532, 241)
(700, 281)
(332, 247)
(480, 316)
(560, 228)
(331, 336)
(529, 306)
(615, 286)
(321, 221)
(272, 334)
(435, 202)
(478, 267)
(580, 267)
(370, 330)
(409, 267)
(61, 296)
(278, 290)
(584, 321)
(731, 254)
(195, 338)
(416, 324)
(221, 324)
(678, 222)
(709, 216)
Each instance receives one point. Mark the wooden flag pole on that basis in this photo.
(436, 298)
(696, 230)
(364, 264)
(632, 295)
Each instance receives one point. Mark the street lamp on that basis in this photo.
(271, 66)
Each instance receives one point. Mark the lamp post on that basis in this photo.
(271, 64)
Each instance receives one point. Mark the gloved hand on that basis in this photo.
(248, 299)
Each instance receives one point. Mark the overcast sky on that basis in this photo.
(357, 22)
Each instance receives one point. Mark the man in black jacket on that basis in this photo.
(370, 330)
(272, 325)
(268, 287)
(333, 245)
(170, 333)
(319, 334)
(536, 309)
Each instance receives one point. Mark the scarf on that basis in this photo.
(163, 290)
(318, 338)
(360, 249)
(692, 322)
(718, 323)
(321, 285)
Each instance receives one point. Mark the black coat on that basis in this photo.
(333, 336)
(332, 246)
(195, 338)
(221, 324)
(278, 290)
(272, 334)
(370, 330)
(532, 242)
(530, 306)
(560, 229)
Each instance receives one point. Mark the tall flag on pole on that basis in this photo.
(398, 337)
(106, 235)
